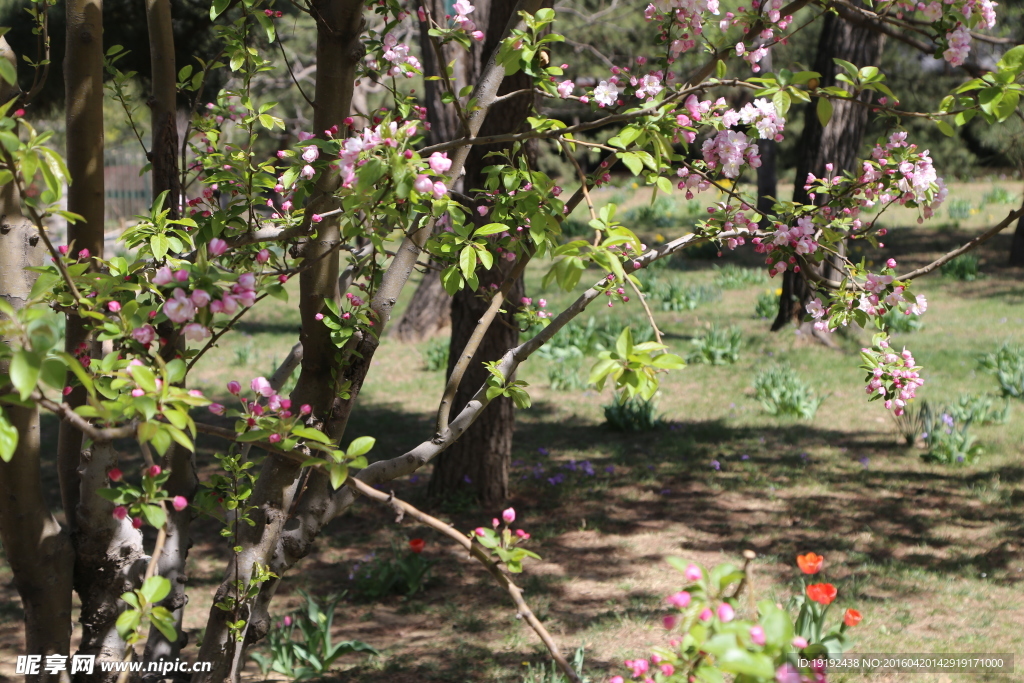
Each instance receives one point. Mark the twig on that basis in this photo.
(650, 316)
(476, 550)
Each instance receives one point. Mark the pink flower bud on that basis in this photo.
(137, 522)
(305, 409)
(234, 387)
(480, 531)
(693, 573)
(179, 503)
(316, 218)
(706, 614)
(114, 474)
(216, 408)
(120, 512)
(669, 622)
(217, 246)
(757, 635)
(274, 438)
(799, 643)
(114, 307)
(154, 471)
(261, 386)
(84, 254)
(680, 599)
(509, 516)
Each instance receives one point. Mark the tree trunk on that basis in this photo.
(429, 311)
(768, 172)
(163, 105)
(338, 52)
(83, 79)
(479, 461)
(837, 143)
(38, 551)
(1017, 246)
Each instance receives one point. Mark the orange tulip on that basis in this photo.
(824, 593)
(809, 563)
(416, 545)
(852, 617)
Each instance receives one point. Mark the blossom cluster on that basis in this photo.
(183, 307)
(267, 410)
(892, 376)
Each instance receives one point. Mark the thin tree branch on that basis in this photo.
(477, 551)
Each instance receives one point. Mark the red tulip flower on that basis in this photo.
(823, 593)
(416, 545)
(809, 563)
(852, 617)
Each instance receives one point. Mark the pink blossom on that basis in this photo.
(179, 503)
(114, 474)
(423, 184)
(693, 573)
(200, 298)
(163, 276)
(680, 599)
(439, 162)
(480, 531)
(565, 88)
(247, 281)
(310, 154)
(154, 471)
(439, 190)
(181, 275)
(522, 534)
(120, 512)
(114, 306)
(274, 438)
(261, 386)
(196, 332)
(669, 622)
(757, 635)
(509, 515)
(217, 246)
(262, 256)
(316, 218)
(179, 308)
(137, 522)
(144, 335)
(726, 612)
(307, 172)
(234, 387)
(216, 408)
(706, 614)
(667, 669)
(799, 643)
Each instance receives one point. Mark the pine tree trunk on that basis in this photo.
(837, 143)
(479, 461)
(38, 551)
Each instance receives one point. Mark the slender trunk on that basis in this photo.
(163, 105)
(110, 561)
(83, 78)
(1017, 246)
(38, 551)
(429, 311)
(479, 461)
(767, 173)
(837, 143)
(339, 50)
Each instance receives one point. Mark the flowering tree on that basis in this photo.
(348, 212)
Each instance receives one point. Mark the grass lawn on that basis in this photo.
(931, 555)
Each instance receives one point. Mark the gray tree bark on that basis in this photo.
(37, 549)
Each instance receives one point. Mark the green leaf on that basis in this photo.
(339, 473)
(632, 162)
(311, 434)
(154, 514)
(127, 622)
(824, 110)
(159, 245)
(24, 371)
(946, 129)
(360, 446)
(164, 622)
(8, 438)
(782, 100)
(8, 72)
(490, 229)
(155, 589)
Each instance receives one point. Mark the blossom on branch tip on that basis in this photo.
(179, 503)
(217, 246)
(261, 386)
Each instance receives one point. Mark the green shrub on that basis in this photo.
(1007, 364)
(901, 323)
(663, 213)
(733, 277)
(959, 209)
(579, 339)
(673, 296)
(948, 440)
(781, 392)
(436, 355)
(405, 573)
(565, 376)
(550, 673)
(717, 347)
(980, 409)
(313, 653)
(767, 305)
(963, 267)
(633, 415)
(998, 195)
(910, 425)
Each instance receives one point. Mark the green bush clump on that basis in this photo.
(766, 306)
(963, 267)
(733, 277)
(436, 355)
(717, 347)
(782, 393)
(632, 415)
(1007, 364)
